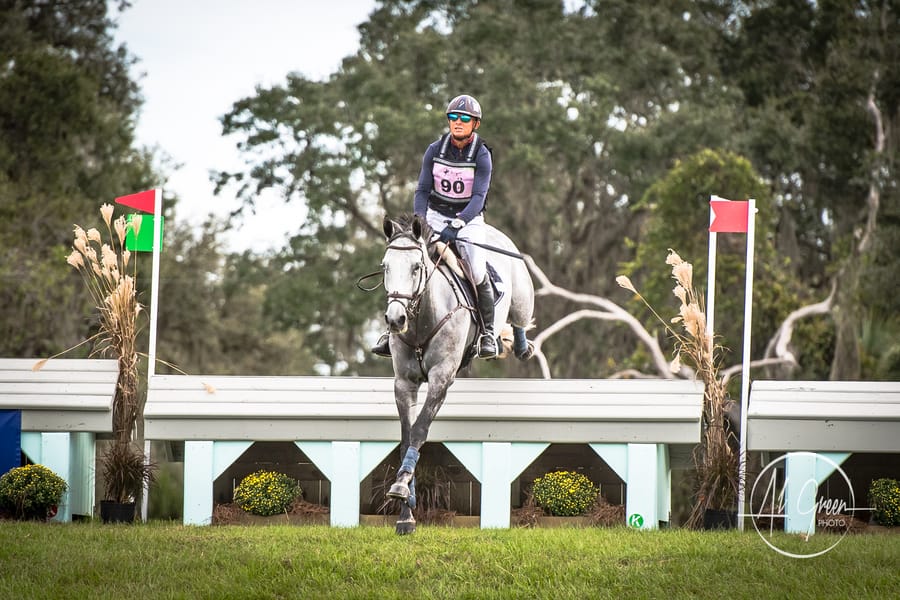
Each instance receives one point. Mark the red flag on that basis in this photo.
(729, 216)
(143, 201)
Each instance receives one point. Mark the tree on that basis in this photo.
(67, 111)
(820, 82)
(573, 124)
(212, 316)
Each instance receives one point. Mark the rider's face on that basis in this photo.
(462, 131)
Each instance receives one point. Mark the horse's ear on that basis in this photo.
(388, 226)
(417, 226)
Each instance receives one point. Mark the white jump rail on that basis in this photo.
(63, 406)
(830, 418)
(495, 427)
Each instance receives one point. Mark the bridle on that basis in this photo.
(412, 300)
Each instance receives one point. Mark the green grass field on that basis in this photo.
(167, 560)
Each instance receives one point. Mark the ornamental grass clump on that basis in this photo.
(884, 498)
(715, 458)
(110, 274)
(102, 266)
(267, 493)
(564, 493)
(31, 492)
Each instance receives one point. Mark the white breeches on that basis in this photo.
(474, 231)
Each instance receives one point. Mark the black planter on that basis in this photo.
(116, 512)
(719, 519)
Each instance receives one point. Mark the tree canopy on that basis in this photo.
(611, 123)
(588, 110)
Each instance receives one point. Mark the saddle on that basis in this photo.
(461, 273)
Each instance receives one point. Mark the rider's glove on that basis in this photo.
(448, 234)
(451, 230)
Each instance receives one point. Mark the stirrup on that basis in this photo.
(383, 346)
(487, 339)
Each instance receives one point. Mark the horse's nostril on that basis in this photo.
(402, 320)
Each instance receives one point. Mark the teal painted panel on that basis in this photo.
(321, 455)
(615, 456)
(469, 454)
(523, 454)
(31, 446)
(371, 454)
(225, 453)
(198, 482)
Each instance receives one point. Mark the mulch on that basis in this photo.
(300, 512)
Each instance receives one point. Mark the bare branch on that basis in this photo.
(733, 370)
(874, 198)
(610, 312)
(778, 345)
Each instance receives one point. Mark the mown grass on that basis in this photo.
(166, 560)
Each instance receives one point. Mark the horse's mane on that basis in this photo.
(405, 223)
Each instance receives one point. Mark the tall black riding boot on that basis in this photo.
(488, 343)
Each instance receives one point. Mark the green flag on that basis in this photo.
(144, 241)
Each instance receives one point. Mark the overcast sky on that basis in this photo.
(197, 57)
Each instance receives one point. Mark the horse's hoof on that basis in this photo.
(399, 491)
(406, 527)
(527, 352)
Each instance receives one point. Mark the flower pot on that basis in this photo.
(719, 519)
(116, 512)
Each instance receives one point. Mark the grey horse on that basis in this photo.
(433, 333)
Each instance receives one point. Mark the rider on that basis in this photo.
(451, 193)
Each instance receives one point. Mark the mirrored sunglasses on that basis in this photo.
(463, 118)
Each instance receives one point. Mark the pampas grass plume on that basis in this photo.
(106, 210)
(624, 282)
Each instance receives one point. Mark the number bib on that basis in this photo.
(453, 181)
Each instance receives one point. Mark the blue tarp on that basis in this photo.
(10, 440)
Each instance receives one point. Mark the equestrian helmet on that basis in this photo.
(465, 105)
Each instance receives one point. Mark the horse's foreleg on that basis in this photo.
(403, 488)
(406, 524)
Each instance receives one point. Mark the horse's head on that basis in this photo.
(405, 266)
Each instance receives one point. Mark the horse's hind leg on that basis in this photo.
(522, 346)
(521, 310)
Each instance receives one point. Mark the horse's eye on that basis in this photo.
(383, 267)
(416, 268)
